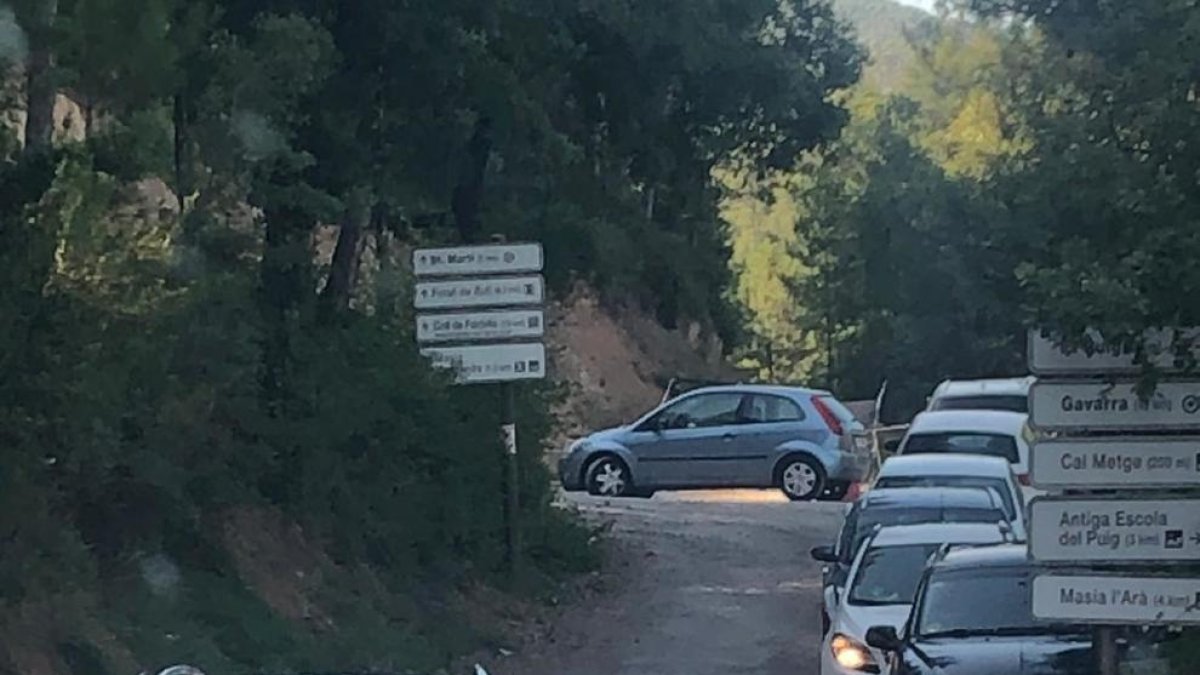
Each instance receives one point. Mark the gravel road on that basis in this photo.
(702, 583)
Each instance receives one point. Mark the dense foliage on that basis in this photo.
(204, 286)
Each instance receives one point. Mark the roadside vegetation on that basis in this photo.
(219, 444)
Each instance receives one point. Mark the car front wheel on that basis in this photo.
(801, 479)
(608, 477)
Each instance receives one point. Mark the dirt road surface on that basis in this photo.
(705, 583)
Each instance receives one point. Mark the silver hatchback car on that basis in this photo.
(803, 441)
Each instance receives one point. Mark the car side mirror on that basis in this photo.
(884, 638)
(824, 554)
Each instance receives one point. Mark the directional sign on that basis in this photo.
(478, 326)
(468, 293)
(1099, 599)
(1107, 463)
(1078, 530)
(1098, 406)
(491, 363)
(1046, 358)
(478, 260)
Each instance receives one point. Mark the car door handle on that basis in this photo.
(729, 436)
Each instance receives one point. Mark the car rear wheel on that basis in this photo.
(801, 479)
(607, 476)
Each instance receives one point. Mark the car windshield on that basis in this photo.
(1010, 403)
(973, 443)
(961, 603)
(869, 519)
(996, 485)
(889, 575)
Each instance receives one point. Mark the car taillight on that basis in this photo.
(831, 420)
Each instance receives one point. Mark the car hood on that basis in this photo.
(855, 620)
(1041, 655)
(606, 435)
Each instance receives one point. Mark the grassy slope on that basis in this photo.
(883, 27)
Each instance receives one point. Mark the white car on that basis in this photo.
(972, 432)
(1011, 395)
(882, 583)
(955, 470)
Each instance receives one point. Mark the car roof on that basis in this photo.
(1004, 555)
(946, 464)
(1009, 386)
(969, 421)
(766, 389)
(938, 533)
(927, 497)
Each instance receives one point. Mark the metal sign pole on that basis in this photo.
(1104, 646)
(513, 498)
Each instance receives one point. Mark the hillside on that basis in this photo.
(884, 28)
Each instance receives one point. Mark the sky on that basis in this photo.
(926, 5)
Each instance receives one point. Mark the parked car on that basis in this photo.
(889, 508)
(801, 440)
(972, 616)
(952, 470)
(881, 586)
(972, 432)
(1009, 394)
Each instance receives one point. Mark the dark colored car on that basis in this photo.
(972, 616)
(900, 506)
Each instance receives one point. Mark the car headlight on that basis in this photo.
(852, 654)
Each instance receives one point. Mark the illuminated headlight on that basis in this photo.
(852, 654)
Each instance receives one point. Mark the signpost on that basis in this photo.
(1046, 358)
(481, 316)
(1103, 530)
(1106, 436)
(1116, 463)
(479, 326)
(1123, 600)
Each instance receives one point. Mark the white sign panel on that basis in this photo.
(1113, 599)
(1099, 406)
(1066, 530)
(480, 326)
(478, 260)
(491, 363)
(470, 293)
(1106, 463)
(1046, 358)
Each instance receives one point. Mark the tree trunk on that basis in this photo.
(286, 285)
(40, 91)
(467, 202)
(335, 297)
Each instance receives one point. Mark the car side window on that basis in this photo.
(703, 410)
(766, 409)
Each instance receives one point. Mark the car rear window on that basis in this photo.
(838, 409)
(869, 519)
(994, 445)
(1018, 404)
(998, 485)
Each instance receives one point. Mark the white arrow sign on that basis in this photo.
(491, 363)
(1082, 530)
(1097, 599)
(1107, 463)
(479, 326)
(1046, 358)
(1098, 406)
(478, 260)
(468, 293)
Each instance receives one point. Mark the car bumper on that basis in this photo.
(850, 467)
(570, 472)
